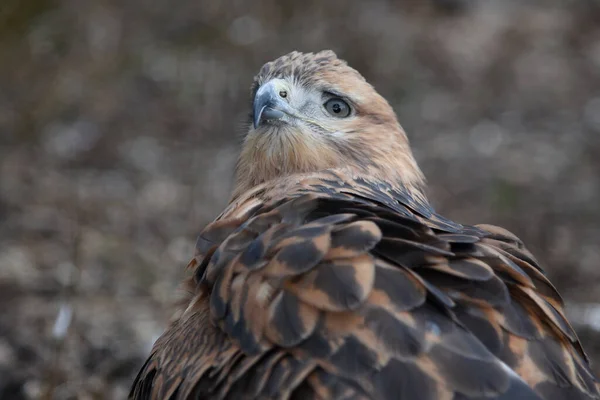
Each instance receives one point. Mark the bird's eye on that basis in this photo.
(337, 107)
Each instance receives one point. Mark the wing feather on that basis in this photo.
(339, 287)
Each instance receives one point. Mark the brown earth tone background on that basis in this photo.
(120, 122)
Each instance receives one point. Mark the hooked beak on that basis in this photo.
(268, 104)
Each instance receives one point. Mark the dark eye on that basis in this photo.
(337, 107)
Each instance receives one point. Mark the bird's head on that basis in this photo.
(312, 112)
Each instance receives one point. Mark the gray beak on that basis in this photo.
(268, 104)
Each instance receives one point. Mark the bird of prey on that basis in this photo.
(330, 276)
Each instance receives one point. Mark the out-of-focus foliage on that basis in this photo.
(120, 122)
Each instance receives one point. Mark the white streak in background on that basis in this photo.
(63, 320)
(584, 314)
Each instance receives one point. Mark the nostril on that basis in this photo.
(283, 94)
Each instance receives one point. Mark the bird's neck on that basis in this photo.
(265, 158)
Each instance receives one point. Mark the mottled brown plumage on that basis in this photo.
(329, 275)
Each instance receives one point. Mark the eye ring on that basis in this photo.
(337, 107)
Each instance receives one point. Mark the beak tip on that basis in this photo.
(257, 116)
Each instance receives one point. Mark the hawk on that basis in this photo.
(330, 276)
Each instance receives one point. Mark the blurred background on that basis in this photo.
(120, 123)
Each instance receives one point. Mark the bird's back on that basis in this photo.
(326, 286)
